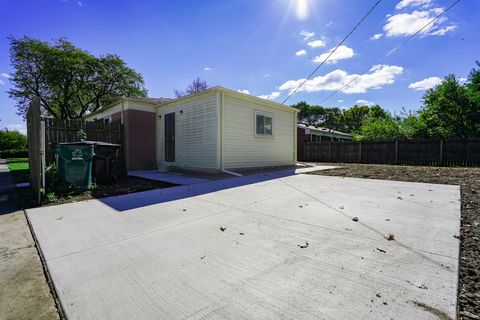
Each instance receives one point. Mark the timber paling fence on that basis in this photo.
(452, 152)
(43, 133)
(66, 130)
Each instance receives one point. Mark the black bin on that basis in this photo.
(105, 161)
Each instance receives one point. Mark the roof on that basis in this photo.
(163, 101)
(233, 92)
(153, 101)
(324, 130)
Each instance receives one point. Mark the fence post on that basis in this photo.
(441, 151)
(36, 150)
(396, 151)
(330, 151)
(360, 151)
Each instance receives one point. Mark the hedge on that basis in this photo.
(14, 153)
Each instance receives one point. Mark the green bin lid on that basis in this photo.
(75, 152)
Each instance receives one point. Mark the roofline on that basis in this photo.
(331, 131)
(111, 105)
(217, 89)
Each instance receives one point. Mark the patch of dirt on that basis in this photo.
(123, 186)
(469, 181)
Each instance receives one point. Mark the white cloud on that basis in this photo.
(272, 96)
(329, 23)
(1, 82)
(20, 127)
(442, 31)
(316, 44)
(379, 75)
(413, 3)
(425, 84)
(306, 35)
(207, 69)
(343, 52)
(266, 75)
(340, 101)
(462, 80)
(6, 75)
(406, 24)
(244, 91)
(301, 52)
(362, 102)
(376, 36)
(80, 3)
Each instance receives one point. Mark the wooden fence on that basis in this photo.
(64, 130)
(453, 152)
(36, 150)
(43, 133)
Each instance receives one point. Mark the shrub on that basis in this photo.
(12, 140)
(14, 153)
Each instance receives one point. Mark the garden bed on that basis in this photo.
(19, 173)
(469, 181)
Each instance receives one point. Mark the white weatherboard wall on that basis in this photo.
(195, 132)
(242, 148)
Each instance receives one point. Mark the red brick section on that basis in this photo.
(116, 117)
(139, 139)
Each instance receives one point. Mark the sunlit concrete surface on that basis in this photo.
(289, 250)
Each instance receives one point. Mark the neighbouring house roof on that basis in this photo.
(324, 131)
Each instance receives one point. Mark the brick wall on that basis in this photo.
(116, 117)
(140, 137)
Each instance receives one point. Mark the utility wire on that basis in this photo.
(333, 51)
(391, 51)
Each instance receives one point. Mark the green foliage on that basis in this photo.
(82, 135)
(67, 80)
(10, 140)
(450, 110)
(18, 169)
(14, 153)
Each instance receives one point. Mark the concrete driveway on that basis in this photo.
(290, 250)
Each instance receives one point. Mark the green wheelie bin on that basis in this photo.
(74, 164)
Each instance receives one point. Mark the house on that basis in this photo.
(213, 130)
(316, 134)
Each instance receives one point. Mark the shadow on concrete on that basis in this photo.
(7, 190)
(151, 197)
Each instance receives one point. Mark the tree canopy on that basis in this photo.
(68, 81)
(449, 110)
(197, 85)
(10, 140)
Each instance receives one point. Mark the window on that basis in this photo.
(264, 125)
(107, 120)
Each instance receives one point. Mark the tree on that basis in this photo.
(451, 110)
(354, 117)
(10, 140)
(68, 81)
(196, 86)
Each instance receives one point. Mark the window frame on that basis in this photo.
(267, 115)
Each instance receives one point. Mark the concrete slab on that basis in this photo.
(169, 259)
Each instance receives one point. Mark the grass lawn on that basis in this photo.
(18, 169)
(19, 172)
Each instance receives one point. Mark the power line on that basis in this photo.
(333, 51)
(391, 51)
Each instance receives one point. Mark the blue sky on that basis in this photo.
(256, 45)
